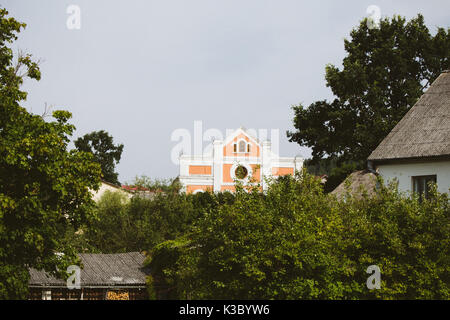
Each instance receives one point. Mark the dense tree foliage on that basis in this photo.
(296, 242)
(147, 219)
(293, 242)
(44, 187)
(105, 152)
(334, 170)
(384, 73)
(140, 223)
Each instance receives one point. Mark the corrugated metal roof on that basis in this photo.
(120, 269)
(425, 129)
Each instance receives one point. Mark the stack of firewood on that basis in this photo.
(117, 295)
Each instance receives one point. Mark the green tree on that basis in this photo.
(385, 71)
(275, 246)
(296, 242)
(334, 170)
(101, 145)
(44, 188)
(408, 239)
(145, 220)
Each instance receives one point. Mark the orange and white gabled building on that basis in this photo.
(217, 170)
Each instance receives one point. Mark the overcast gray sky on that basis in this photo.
(142, 69)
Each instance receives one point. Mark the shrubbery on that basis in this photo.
(292, 242)
(295, 242)
(144, 221)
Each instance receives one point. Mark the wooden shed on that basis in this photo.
(103, 277)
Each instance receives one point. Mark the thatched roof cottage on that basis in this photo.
(417, 150)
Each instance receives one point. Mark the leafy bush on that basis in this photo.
(295, 242)
(139, 224)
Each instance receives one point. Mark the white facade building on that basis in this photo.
(239, 157)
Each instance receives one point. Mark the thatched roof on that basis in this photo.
(356, 184)
(112, 270)
(425, 129)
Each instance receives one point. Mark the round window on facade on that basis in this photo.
(241, 172)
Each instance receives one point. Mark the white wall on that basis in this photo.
(404, 172)
(267, 160)
(96, 195)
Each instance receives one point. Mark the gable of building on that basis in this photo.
(241, 144)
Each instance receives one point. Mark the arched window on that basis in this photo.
(242, 146)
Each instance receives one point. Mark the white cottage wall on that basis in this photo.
(405, 171)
